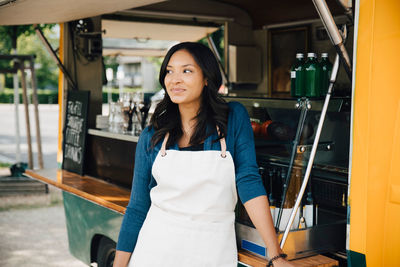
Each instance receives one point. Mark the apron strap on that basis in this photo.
(223, 145)
(164, 144)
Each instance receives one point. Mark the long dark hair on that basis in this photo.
(213, 110)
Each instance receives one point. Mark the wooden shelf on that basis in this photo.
(316, 261)
(95, 190)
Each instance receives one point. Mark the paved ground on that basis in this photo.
(35, 237)
(48, 118)
(32, 228)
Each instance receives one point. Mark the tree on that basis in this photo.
(23, 38)
(46, 68)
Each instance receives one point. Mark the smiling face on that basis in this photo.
(184, 79)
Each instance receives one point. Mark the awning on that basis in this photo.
(131, 38)
(136, 47)
(154, 31)
(128, 52)
(19, 12)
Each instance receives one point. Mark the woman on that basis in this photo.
(188, 163)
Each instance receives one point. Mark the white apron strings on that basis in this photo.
(164, 145)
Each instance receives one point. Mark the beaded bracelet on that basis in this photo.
(271, 261)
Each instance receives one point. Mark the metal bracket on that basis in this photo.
(328, 146)
(303, 103)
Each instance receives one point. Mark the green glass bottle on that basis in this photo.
(313, 76)
(326, 70)
(297, 77)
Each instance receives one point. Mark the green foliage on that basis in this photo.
(9, 35)
(27, 42)
(44, 96)
(114, 97)
(115, 93)
(156, 61)
(46, 69)
(51, 96)
(4, 165)
(111, 62)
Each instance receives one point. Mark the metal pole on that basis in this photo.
(16, 116)
(35, 104)
(215, 51)
(55, 57)
(28, 126)
(313, 150)
(334, 34)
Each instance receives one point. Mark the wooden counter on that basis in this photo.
(95, 190)
(313, 261)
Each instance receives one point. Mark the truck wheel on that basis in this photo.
(106, 252)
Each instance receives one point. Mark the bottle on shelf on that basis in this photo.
(297, 77)
(312, 76)
(326, 70)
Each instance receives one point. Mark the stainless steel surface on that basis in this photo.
(313, 151)
(335, 105)
(301, 243)
(124, 137)
(335, 69)
(244, 232)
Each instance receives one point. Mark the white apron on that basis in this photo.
(191, 219)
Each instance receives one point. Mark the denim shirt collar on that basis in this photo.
(208, 143)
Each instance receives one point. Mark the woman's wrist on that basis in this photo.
(275, 258)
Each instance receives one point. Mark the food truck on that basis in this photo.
(328, 160)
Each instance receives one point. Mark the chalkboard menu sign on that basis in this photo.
(75, 130)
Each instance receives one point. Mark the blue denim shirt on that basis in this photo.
(239, 142)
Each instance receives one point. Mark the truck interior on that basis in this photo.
(260, 40)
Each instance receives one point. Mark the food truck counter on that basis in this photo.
(95, 190)
(116, 198)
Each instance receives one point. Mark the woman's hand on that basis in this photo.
(282, 263)
(259, 212)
